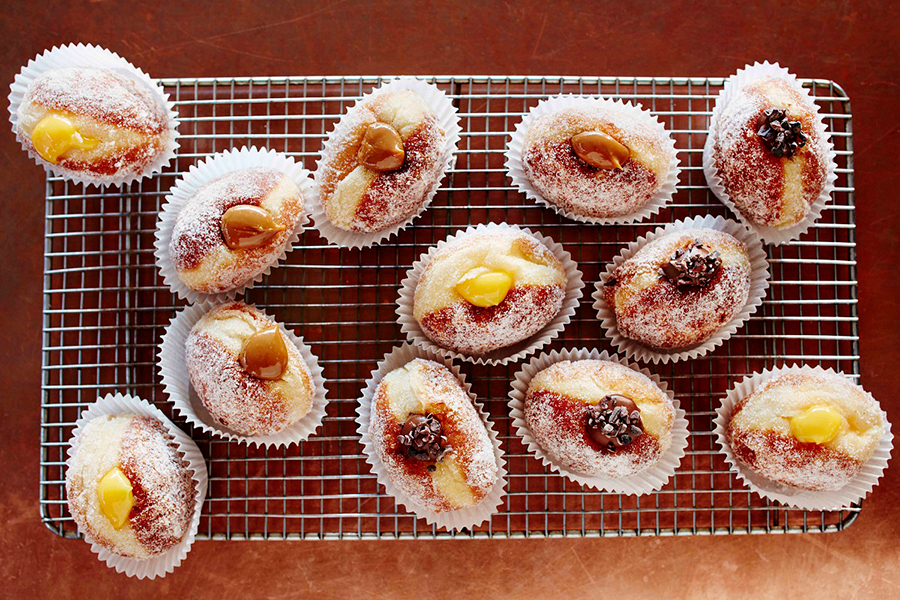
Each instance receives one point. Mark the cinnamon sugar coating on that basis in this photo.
(556, 171)
(556, 410)
(128, 119)
(238, 401)
(162, 486)
(760, 430)
(468, 472)
(656, 312)
(536, 295)
(769, 190)
(358, 198)
(202, 259)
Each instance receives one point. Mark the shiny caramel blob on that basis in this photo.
(484, 287)
(818, 424)
(54, 135)
(381, 148)
(600, 150)
(265, 354)
(116, 497)
(245, 226)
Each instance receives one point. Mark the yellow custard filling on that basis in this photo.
(484, 287)
(116, 497)
(54, 135)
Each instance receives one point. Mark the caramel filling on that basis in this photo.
(54, 135)
(381, 148)
(245, 226)
(116, 497)
(264, 354)
(484, 287)
(600, 150)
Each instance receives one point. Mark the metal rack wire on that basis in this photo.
(105, 308)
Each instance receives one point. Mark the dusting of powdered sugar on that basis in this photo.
(475, 330)
(437, 391)
(526, 309)
(391, 196)
(100, 94)
(161, 484)
(554, 169)
(558, 420)
(162, 487)
(753, 177)
(662, 315)
(197, 242)
(760, 436)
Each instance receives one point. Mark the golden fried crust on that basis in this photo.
(161, 484)
(769, 190)
(652, 310)
(552, 166)
(202, 259)
(760, 431)
(536, 295)
(468, 473)
(556, 405)
(357, 198)
(128, 120)
(242, 403)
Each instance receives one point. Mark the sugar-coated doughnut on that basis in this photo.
(430, 438)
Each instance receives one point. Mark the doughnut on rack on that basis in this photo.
(105, 307)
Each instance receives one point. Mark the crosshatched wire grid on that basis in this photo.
(105, 308)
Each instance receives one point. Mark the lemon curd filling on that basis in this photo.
(116, 497)
(54, 135)
(818, 424)
(484, 287)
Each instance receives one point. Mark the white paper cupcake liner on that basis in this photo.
(177, 384)
(451, 520)
(855, 491)
(516, 145)
(158, 566)
(502, 356)
(205, 171)
(769, 235)
(90, 56)
(759, 283)
(644, 482)
(446, 115)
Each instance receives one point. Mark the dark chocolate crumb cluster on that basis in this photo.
(614, 422)
(422, 436)
(694, 266)
(782, 136)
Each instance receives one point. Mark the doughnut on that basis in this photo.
(679, 289)
(599, 418)
(381, 161)
(234, 228)
(249, 375)
(430, 438)
(128, 486)
(600, 161)
(92, 123)
(769, 153)
(812, 430)
(488, 290)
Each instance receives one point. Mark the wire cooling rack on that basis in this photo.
(105, 308)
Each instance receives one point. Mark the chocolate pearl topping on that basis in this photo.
(614, 422)
(422, 436)
(782, 136)
(694, 266)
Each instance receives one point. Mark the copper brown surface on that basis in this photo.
(853, 44)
